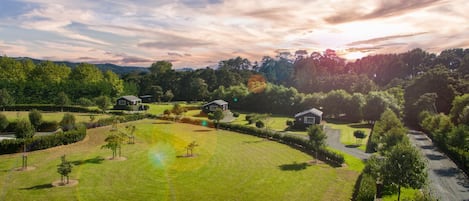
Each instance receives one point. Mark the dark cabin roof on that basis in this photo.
(131, 98)
(146, 96)
(312, 111)
(218, 102)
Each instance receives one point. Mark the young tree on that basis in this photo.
(168, 96)
(64, 169)
(35, 117)
(216, 116)
(405, 168)
(103, 103)
(62, 100)
(3, 122)
(317, 137)
(359, 135)
(24, 130)
(113, 142)
(5, 98)
(68, 122)
(190, 148)
(130, 132)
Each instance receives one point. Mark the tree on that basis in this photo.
(64, 169)
(3, 122)
(216, 116)
(178, 110)
(317, 137)
(113, 142)
(160, 67)
(405, 168)
(459, 137)
(24, 130)
(5, 98)
(157, 92)
(103, 102)
(359, 135)
(168, 96)
(130, 132)
(68, 122)
(62, 100)
(35, 117)
(190, 148)
(457, 110)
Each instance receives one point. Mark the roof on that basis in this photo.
(146, 96)
(218, 102)
(131, 98)
(312, 111)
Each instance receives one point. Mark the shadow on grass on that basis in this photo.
(162, 122)
(352, 146)
(254, 141)
(38, 187)
(293, 167)
(202, 130)
(427, 147)
(95, 160)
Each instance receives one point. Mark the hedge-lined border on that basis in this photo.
(49, 108)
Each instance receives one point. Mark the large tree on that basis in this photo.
(5, 98)
(404, 167)
(62, 100)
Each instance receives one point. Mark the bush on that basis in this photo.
(366, 189)
(167, 112)
(235, 114)
(85, 102)
(290, 123)
(48, 126)
(3, 122)
(260, 124)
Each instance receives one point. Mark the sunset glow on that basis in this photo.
(202, 32)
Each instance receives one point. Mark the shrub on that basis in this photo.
(260, 124)
(235, 114)
(290, 123)
(68, 122)
(167, 112)
(48, 126)
(3, 122)
(366, 189)
(85, 102)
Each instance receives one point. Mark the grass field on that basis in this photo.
(346, 132)
(159, 108)
(227, 166)
(53, 116)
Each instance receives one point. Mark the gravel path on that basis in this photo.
(333, 140)
(447, 181)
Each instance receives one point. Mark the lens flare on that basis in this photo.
(162, 155)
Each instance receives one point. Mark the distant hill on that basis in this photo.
(103, 67)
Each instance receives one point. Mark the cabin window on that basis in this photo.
(122, 102)
(213, 107)
(309, 120)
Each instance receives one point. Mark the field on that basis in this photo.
(226, 166)
(53, 116)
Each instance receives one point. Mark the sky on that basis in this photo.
(200, 33)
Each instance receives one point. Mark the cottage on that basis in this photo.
(307, 118)
(147, 99)
(128, 103)
(212, 106)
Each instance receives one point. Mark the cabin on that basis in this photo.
(132, 103)
(307, 118)
(212, 106)
(147, 99)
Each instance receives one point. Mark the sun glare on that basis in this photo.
(354, 55)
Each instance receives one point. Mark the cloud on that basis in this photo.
(385, 38)
(174, 54)
(384, 9)
(182, 43)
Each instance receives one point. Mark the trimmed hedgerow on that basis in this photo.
(53, 108)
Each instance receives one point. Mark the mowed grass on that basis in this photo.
(53, 116)
(346, 132)
(227, 166)
(159, 108)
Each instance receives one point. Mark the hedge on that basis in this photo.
(9, 146)
(53, 108)
(366, 189)
(121, 119)
(46, 126)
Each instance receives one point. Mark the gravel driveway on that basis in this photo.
(447, 181)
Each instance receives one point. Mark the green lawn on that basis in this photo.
(346, 132)
(227, 166)
(274, 122)
(159, 108)
(54, 116)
